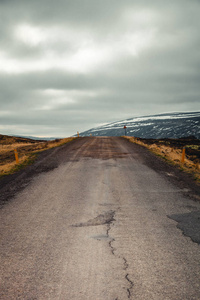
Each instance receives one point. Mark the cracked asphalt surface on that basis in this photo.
(99, 218)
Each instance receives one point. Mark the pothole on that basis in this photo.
(106, 218)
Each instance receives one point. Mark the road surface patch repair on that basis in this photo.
(189, 223)
(108, 219)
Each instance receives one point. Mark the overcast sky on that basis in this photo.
(69, 65)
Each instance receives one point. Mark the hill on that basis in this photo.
(8, 140)
(170, 125)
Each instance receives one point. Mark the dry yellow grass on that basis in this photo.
(57, 143)
(172, 155)
(5, 148)
(8, 167)
(25, 151)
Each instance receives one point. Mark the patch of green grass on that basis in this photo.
(29, 161)
(194, 147)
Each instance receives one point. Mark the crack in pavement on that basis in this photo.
(112, 240)
(126, 265)
(131, 285)
(108, 219)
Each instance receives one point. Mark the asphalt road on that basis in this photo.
(99, 219)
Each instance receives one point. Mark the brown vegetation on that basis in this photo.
(171, 151)
(26, 149)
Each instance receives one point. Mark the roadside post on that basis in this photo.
(16, 156)
(125, 129)
(77, 133)
(183, 155)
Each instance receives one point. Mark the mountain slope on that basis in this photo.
(171, 125)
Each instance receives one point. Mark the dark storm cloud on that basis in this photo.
(71, 65)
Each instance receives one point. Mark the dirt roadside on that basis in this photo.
(46, 160)
(24, 150)
(89, 147)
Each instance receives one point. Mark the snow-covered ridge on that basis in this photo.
(172, 125)
(155, 117)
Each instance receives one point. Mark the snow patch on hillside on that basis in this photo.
(172, 125)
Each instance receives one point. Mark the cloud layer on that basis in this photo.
(71, 65)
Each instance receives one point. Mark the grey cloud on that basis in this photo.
(163, 76)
